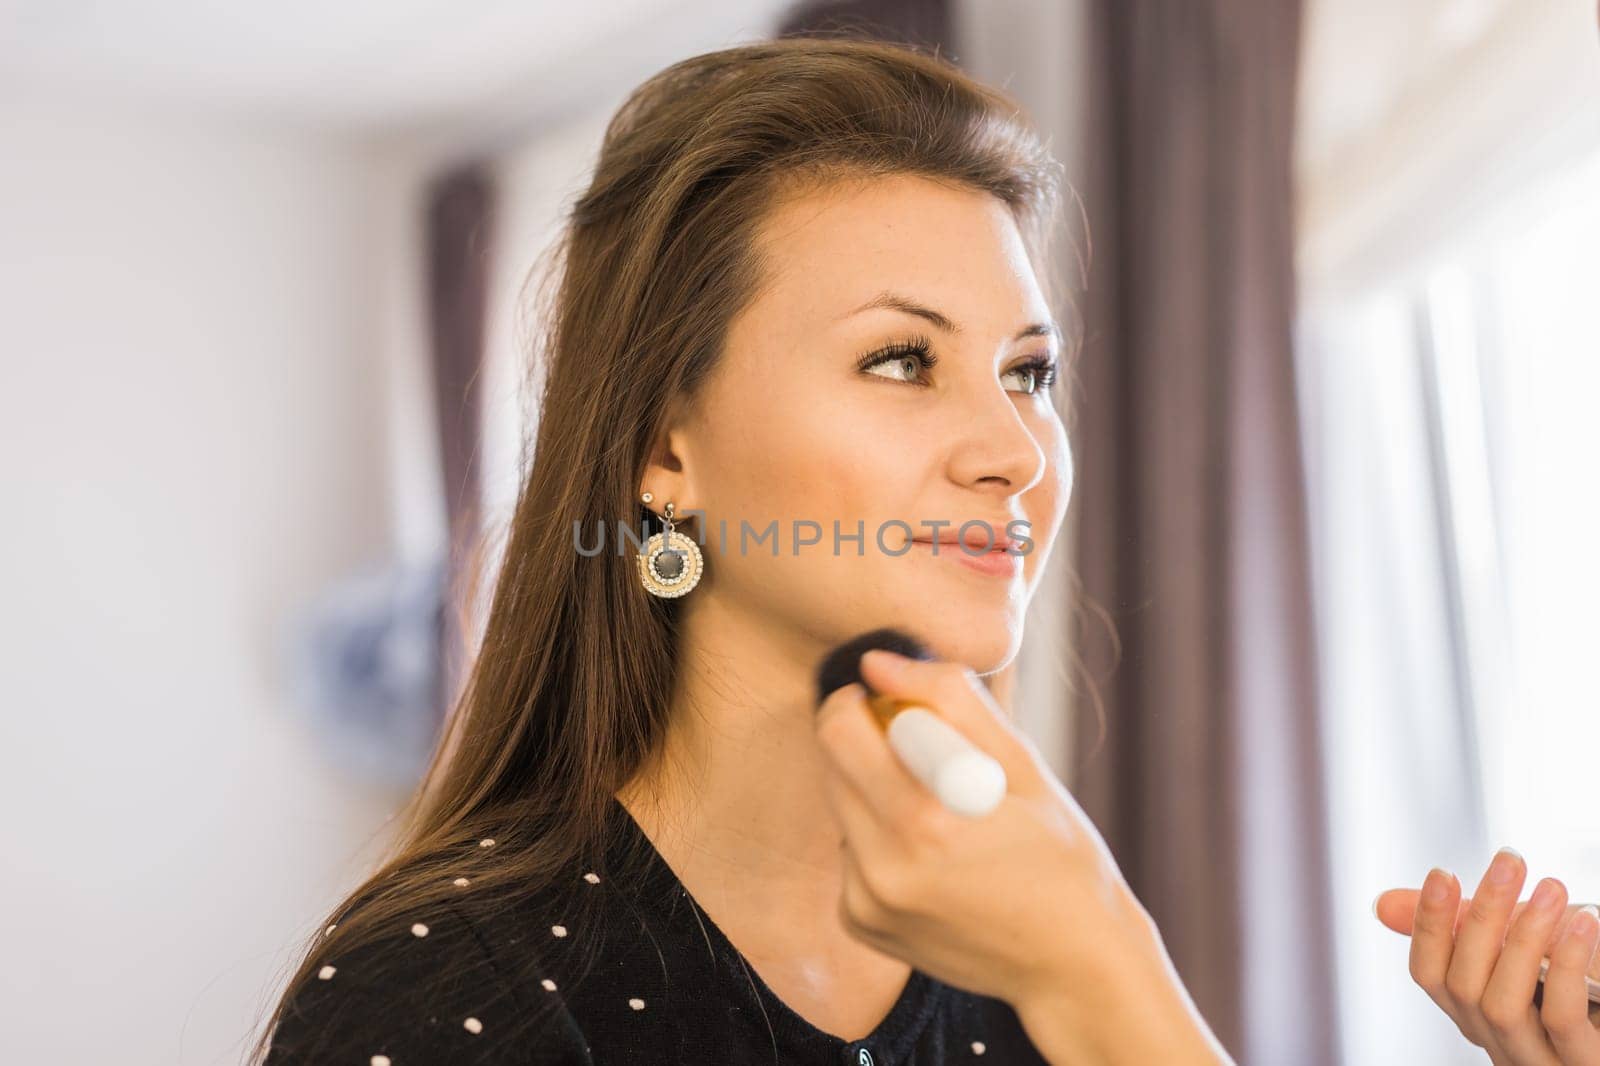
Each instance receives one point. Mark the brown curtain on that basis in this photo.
(1206, 780)
(460, 213)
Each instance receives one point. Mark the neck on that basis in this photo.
(734, 799)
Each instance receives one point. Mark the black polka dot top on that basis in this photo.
(659, 984)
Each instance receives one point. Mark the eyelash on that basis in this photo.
(921, 349)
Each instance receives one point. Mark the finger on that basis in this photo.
(1433, 940)
(1565, 1012)
(1507, 1003)
(861, 910)
(857, 749)
(863, 829)
(956, 694)
(880, 868)
(1481, 936)
(1396, 907)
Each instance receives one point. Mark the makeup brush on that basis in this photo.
(965, 780)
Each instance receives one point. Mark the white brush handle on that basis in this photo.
(1592, 985)
(965, 779)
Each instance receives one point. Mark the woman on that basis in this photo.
(802, 287)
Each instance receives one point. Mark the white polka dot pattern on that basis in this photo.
(443, 978)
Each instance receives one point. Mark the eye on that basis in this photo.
(907, 361)
(1037, 374)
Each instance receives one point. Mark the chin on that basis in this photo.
(986, 638)
(978, 623)
(984, 645)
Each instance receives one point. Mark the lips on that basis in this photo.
(975, 538)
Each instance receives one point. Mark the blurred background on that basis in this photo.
(1330, 573)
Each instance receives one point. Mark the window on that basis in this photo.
(1452, 415)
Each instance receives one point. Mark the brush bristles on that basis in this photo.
(842, 665)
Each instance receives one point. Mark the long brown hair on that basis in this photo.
(570, 689)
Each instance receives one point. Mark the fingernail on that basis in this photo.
(1504, 867)
(1434, 887)
(1585, 923)
(1375, 900)
(1544, 895)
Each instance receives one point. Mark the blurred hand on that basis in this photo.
(1478, 960)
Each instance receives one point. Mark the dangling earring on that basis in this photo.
(670, 563)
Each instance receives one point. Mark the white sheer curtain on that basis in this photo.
(1401, 748)
(1449, 369)
(1453, 439)
(1540, 344)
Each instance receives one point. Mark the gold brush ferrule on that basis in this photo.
(886, 707)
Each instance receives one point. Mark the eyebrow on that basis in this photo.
(892, 301)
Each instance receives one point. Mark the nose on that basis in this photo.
(993, 448)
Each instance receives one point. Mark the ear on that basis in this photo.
(668, 471)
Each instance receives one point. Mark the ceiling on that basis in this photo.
(372, 64)
(1361, 58)
(408, 65)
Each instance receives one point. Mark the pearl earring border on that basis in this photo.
(693, 565)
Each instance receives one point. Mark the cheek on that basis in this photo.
(801, 449)
(806, 457)
(779, 466)
(1045, 504)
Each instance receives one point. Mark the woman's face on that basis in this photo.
(793, 428)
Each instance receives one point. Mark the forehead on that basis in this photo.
(831, 248)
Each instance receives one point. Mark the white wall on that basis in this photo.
(192, 440)
(536, 184)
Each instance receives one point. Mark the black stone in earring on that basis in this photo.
(670, 563)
